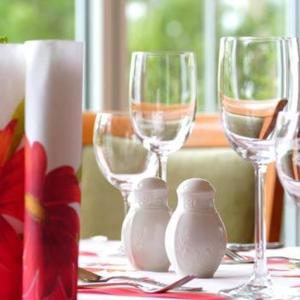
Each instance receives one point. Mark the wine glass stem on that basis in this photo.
(297, 224)
(125, 194)
(260, 266)
(162, 166)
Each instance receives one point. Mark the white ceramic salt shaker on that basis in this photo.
(195, 237)
(143, 230)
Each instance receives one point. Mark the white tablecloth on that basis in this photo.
(102, 256)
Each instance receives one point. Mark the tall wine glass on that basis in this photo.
(253, 88)
(120, 155)
(163, 100)
(288, 157)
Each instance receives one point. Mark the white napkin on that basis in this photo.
(12, 81)
(53, 99)
(53, 129)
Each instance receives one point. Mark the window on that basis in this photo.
(167, 25)
(197, 26)
(113, 29)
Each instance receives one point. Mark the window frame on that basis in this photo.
(101, 25)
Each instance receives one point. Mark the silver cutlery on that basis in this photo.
(144, 288)
(87, 276)
(250, 246)
(90, 277)
(236, 257)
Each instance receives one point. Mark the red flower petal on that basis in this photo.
(12, 186)
(12, 205)
(35, 168)
(46, 248)
(6, 139)
(10, 262)
(52, 227)
(61, 187)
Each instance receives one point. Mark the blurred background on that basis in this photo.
(113, 29)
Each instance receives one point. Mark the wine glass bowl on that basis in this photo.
(249, 126)
(163, 129)
(253, 87)
(288, 159)
(119, 153)
(288, 166)
(162, 100)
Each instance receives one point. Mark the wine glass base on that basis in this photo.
(264, 290)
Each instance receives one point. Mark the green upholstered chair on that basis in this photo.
(206, 155)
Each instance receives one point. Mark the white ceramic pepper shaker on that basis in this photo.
(143, 230)
(195, 238)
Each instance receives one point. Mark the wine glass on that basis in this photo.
(253, 87)
(120, 155)
(162, 101)
(288, 157)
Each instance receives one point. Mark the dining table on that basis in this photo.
(105, 257)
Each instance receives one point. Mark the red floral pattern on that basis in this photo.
(11, 205)
(52, 228)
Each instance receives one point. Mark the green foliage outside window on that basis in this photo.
(179, 25)
(159, 25)
(37, 19)
(169, 25)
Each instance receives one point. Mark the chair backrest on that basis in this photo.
(207, 134)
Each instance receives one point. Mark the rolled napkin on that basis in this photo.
(52, 161)
(12, 93)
